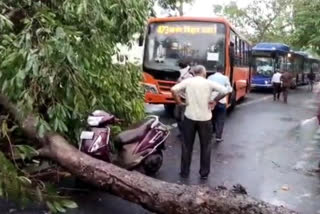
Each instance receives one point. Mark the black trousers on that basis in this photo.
(204, 130)
(276, 91)
(179, 115)
(219, 114)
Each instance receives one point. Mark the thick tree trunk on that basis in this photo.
(152, 194)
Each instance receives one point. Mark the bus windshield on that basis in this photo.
(264, 66)
(193, 43)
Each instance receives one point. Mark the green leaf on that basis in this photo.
(41, 130)
(35, 67)
(25, 180)
(69, 204)
(60, 34)
(26, 151)
(58, 207)
(9, 59)
(51, 207)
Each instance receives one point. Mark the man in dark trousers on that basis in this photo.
(286, 79)
(311, 78)
(197, 118)
(276, 84)
(219, 113)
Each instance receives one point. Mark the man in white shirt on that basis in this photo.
(197, 118)
(219, 112)
(276, 83)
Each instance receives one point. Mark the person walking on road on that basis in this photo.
(276, 84)
(219, 113)
(197, 117)
(286, 79)
(185, 73)
(311, 78)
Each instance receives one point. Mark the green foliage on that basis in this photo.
(59, 64)
(307, 24)
(261, 20)
(61, 206)
(56, 64)
(174, 4)
(17, 182)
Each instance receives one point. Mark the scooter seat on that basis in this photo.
(134, 134)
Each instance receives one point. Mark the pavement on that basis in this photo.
(270, 148)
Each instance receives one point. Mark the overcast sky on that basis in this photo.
(203, 7)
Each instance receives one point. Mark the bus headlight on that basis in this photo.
(150, 88)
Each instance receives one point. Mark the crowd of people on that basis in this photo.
(282, 81)
(201, 108)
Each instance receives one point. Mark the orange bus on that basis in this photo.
(211, 42)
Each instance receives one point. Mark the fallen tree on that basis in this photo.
(154, 195)
(55, 67)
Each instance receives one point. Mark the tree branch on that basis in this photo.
(28, 125)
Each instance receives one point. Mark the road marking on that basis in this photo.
(256, 101)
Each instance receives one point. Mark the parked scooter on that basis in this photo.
(138, 147)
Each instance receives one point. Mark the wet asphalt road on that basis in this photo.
(270, 148)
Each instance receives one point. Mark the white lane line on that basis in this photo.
(256, 101)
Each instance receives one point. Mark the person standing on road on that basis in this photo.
(219, 113)
(311, 78)
(276, 84)
(197, 117)
(185, 73)
(286, 79)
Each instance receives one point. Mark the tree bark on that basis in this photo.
(154, 195)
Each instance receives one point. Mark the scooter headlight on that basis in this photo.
(150, 88)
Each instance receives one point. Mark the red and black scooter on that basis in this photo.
(139, 147)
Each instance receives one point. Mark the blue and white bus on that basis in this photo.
(267, 58)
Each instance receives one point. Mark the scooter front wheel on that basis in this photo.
(152, 163)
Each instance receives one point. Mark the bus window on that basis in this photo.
(241, 52)
(231, 54)
(247, 54)
(237, 52)
(244, 54)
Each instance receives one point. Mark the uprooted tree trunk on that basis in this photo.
(154, 195)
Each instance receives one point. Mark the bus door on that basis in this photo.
(231, 61)
(231, 57)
